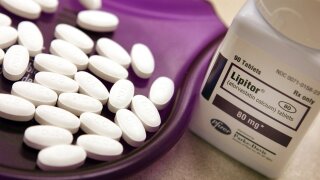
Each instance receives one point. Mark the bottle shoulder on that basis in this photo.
(250, 24)
(251, 27)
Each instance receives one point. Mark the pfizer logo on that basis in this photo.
(220, 126)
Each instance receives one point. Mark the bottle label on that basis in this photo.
(254, 102)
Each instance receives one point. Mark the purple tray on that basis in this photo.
(182, 34)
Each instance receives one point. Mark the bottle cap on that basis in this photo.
(295, 19)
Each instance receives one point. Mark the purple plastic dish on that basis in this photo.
(182, 34)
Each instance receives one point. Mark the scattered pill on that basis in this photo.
(100, 148)
(57, 82)
(120, 95)
(61, 158)
(161, 92)
(1, 56)
(24, 8)
(70, 52)
(15, 62)
(79, 103)
(56, 64)
(97, 21)
(133, 131)
(9, 36)
(48, 6)
(15, 108)
(74, 36)
(92, 123)
(91, 86)
(146, 112)
(107, 69)
(51, 115)
(111, 49)
(5, 20)
(35, 93)
(91, 4)
(42, 136)
(30, 36)
(142, 61)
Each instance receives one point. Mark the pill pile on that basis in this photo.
(69, 93)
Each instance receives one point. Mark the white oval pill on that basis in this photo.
(74, 36)
(107, 69)
(133, 131)
(111, 49)
(15, 108)
(57, 82)
(79, 103)
(41, 136)
(61, 157)
(51, 115)
(70, 52)
(24, 8)
(1, 56)
(161, 92)
(92, 123)
(146, 112)
(56, 64)
(91, 4)
(35, 93)
(98, 21)
(142, 61)
(91, 86)
(120, 95)
(48, 6)
(15, 62)
(30, 37)
(100, 147)
(9, 36)
(5, 20)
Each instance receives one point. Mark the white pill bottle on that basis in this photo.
(262, 89)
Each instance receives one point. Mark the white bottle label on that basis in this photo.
(254, 107)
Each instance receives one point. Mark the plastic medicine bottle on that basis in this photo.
(262, 89)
